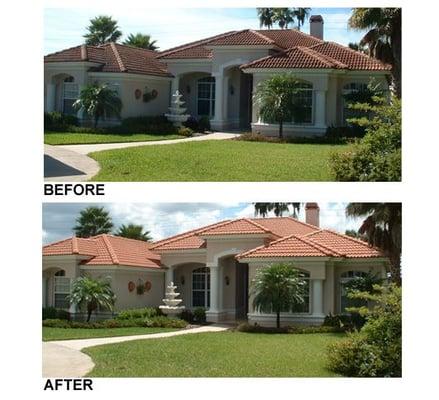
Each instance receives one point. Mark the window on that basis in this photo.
(70, 95)
(304, 99)
(346, 302)
(302, 308)
(201, 287)
(61, 290)
(353, 87)
(206, 96)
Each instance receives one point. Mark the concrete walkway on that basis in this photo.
(90, 148)
(61, 164)
(63, 358)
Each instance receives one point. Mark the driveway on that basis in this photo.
(63, 358)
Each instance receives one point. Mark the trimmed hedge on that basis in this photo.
(246, 327)
(136, 313)
(156, 322)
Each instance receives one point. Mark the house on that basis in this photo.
(213, 266)
(217, 77)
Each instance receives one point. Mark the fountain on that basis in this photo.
(171, 307)
(176, 110)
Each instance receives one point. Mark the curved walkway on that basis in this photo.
(90, 148)
(63, 358)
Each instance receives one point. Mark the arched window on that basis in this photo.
(349, 88)
(70, 95)
(305, 101)
(345, 301)
(206, 96)
(201, 287)
(61, 290)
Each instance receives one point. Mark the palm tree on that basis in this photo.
(358, 47)
(93, 221)
(102, 29)
(265, 16)
(99, 101)
(382, 228)
(132, 231)
(90, 293)
(142, 41)
(277, 100)
(263, 209)
(383, 37)
(283, 16)
(300, 14)
(278, 288)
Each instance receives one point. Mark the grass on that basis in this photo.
(55, 138)
(217, 161)
(65, 333)
(223, 354)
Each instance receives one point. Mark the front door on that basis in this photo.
(241, 298)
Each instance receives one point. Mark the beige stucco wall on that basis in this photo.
(189, 81)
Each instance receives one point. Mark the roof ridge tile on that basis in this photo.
(110, 249)
(117, 56)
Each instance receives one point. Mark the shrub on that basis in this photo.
(204, 124)
(146, 312)
(376, 157)
(56, 323)
(53, 313)
(348, 322)
(258, 137)
(56, 121)
(341, 133)
(187, 316)
(151, 125)
(376, 350)
(187, 132)
(200, 315)
(191, 123)
(246, 327)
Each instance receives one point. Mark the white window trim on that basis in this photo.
(206, 290)
(65, 291)
(211, 100)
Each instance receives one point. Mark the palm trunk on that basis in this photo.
(281, 129)
(89, 311)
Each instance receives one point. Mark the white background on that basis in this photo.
(22, 171)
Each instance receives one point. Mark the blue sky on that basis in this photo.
(65, 27)
(166, 219)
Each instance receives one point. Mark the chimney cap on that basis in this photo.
(309, 206)
(315, 18)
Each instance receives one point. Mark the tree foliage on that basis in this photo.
(278, 288)
(263, 209)
(90, 294)
(93, 221)
(383, 37)
(102, 29)
(277, 99)
(133, 231)
(99, 101)
(377, 156)
(382, 226)
(142, 41)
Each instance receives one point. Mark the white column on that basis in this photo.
(50, 97)
(214, 288)
(169, 276)
(217, 122)
(320, 109)
(175, 85)
(317, 297)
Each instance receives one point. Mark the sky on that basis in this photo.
(65, 27)
(167, 219)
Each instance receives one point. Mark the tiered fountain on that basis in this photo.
(171, 306)
(176, 111)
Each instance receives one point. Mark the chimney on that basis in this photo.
(316, 26)
(312, 214)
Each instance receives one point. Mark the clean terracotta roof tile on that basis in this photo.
(285, 226)
(113, 57)
(106, 250)
(349, 247)
(242, 226)
(287, 38)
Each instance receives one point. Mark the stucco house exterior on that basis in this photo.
(214, 266)
(218, 76)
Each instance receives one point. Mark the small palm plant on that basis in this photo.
(277, 99)
(278, 288)
(99, 100)
(90, 293)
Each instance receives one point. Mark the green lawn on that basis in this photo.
(64, 334)
(223, 354)
(91, 138)
(229, 160)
